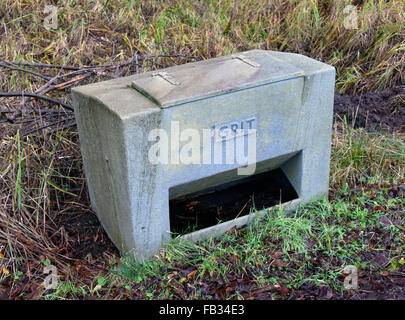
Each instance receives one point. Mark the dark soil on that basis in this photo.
(90, 237)
(375, 111)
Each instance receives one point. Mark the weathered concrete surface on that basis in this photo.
(290, 95)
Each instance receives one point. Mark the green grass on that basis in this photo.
(66, 290)
(315, 242)
(334, 229)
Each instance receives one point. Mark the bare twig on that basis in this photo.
(63, 80)
(65, 84)
(45, 65)
(8, 65)
(35, 95)
(50, 125)
(86, 68)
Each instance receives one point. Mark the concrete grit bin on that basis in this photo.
(279, 104)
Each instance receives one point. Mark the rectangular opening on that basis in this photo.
(214, 205)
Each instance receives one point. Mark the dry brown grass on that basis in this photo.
(32, 168)
(363, 158)
(91, 33)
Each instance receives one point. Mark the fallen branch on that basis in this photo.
(66, 84)
(9, 66)
(66, 77)
(37, 96)
(87, 68)
(50, 125)
(45, 65)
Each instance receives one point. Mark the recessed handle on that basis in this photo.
(168, 77)
(246, 60)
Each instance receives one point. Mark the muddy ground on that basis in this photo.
(380, 111)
